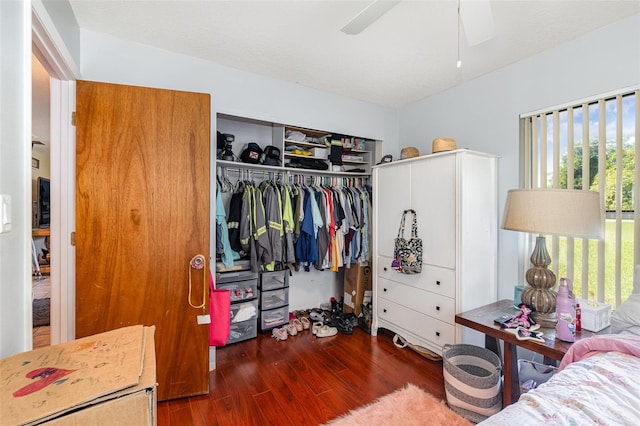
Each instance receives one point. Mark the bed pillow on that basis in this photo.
(626, 317)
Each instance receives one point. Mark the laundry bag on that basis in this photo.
(472, 381)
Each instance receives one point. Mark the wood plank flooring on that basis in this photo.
(41, 289)
(302, 380)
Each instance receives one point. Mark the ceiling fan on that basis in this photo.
(476, 17)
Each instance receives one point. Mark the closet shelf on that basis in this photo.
(238, 166)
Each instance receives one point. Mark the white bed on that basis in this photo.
(598, 383)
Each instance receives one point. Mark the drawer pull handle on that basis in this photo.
(438, 333)
(437, 308)
(384, 310)
(384, 289)
(385, 269)
(437, 282)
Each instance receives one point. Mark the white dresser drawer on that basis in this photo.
(432, 278)
(432, 304)
(436, 332)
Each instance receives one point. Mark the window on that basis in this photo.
(591, 145)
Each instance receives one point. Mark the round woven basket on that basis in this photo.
(443, 144)
(409, 152)
(472, 381)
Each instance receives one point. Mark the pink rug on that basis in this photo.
(408, 406)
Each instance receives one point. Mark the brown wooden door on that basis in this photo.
(142, 212)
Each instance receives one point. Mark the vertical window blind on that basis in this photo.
(593, 145)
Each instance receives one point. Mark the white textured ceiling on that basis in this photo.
(407, 55)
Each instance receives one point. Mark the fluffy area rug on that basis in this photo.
(407, 406)
(41, 312)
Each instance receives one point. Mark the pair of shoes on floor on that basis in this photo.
(322, 330)
(285, 331)
(279, 333)
(317, 315)
(298, 324)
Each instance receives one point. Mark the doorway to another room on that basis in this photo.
(41, 204)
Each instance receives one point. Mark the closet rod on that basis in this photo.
(293, 171)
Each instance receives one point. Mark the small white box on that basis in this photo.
(595, 315)
(320, 152)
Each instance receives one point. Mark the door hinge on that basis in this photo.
(73, 118)
(73, 239)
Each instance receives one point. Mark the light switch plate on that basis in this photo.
(5, 213)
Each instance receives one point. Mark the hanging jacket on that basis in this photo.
(233, 220)
(227, 254)
(306, 245)
(289, 255)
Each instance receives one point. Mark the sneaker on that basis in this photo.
(279, 333)
(316, 326)
(326, 331)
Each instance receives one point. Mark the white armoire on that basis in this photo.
(454, 195)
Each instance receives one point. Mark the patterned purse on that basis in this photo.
(408, 253)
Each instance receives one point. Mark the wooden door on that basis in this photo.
(142, 212)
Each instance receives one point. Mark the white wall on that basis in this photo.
(15, 176)
(483, 114)
(107, 59)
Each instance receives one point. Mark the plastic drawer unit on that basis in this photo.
(245, 311)
(243, 286)
(274, 299)
(274, 318)
(242, 331)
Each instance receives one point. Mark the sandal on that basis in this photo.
(297, 324)
(317, 316)
(279, 334)
(326, 331)
(305, 323)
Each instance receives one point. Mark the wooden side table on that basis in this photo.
(481, 319)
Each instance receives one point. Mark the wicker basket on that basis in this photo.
(472, 381)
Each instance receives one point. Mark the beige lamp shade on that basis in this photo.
(569, 212)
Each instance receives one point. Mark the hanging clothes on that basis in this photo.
(289, 255)
(306, 245)
(272, 202)
(222, 233)
(233, 219)
(280, 224)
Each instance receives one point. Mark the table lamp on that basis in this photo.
(566, 212)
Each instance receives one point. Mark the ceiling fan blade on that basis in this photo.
(477, 19)
(368, 16)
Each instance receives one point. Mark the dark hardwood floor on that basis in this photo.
(303, 380)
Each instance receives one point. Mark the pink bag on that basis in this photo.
(220, 313)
